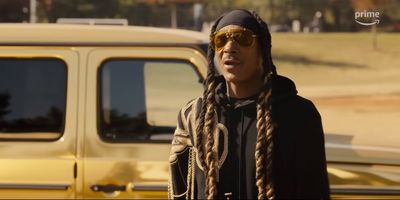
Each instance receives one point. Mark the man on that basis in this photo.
(250, 135)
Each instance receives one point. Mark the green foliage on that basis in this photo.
(50, 11)
(14, 11)
(137, 12)
(337, 15)
(272, 11)
(4, 104)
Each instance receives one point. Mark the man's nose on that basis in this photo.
(231, 47)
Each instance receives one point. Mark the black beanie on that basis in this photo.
(242, 18)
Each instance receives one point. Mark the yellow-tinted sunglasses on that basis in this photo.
(242, 36)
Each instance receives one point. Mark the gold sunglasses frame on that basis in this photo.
(230, 31)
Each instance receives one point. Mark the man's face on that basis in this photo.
(239, 63)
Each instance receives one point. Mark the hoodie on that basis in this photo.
(299, 163)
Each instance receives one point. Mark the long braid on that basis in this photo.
(260, 146)
(206, 127)
(264, 144)
(211, 185)
(200, 131)
(269, 141)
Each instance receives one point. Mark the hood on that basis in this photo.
(282, 89)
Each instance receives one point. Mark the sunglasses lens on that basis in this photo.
(220, 40)
(242, 37)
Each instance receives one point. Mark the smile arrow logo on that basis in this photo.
(368, 24)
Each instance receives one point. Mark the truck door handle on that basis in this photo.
(140, 187)
(109, 188)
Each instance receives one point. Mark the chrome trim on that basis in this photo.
(34, 186)
(141, 187)
(365, 191)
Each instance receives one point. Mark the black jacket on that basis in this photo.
(299, 163)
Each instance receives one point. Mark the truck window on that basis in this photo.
(32, 98)
(140, 99)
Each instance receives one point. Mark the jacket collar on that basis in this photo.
(282, 88)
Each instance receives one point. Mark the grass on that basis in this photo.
(355, 87)
(337, 58)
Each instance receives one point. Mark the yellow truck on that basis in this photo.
(89, 112)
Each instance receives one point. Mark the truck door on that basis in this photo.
(38, 108)
(133, 99)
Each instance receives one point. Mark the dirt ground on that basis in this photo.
(357, 106)
(361, 120)
(361, 103)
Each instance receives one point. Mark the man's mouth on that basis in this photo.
(231, 62)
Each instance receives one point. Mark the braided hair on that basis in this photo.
(206, 126)
(264, 144)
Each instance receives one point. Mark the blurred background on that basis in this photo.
(351, 71)
(282, 15)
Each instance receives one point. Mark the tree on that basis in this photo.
(4, 104)
(51, 10)
(14, 11)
